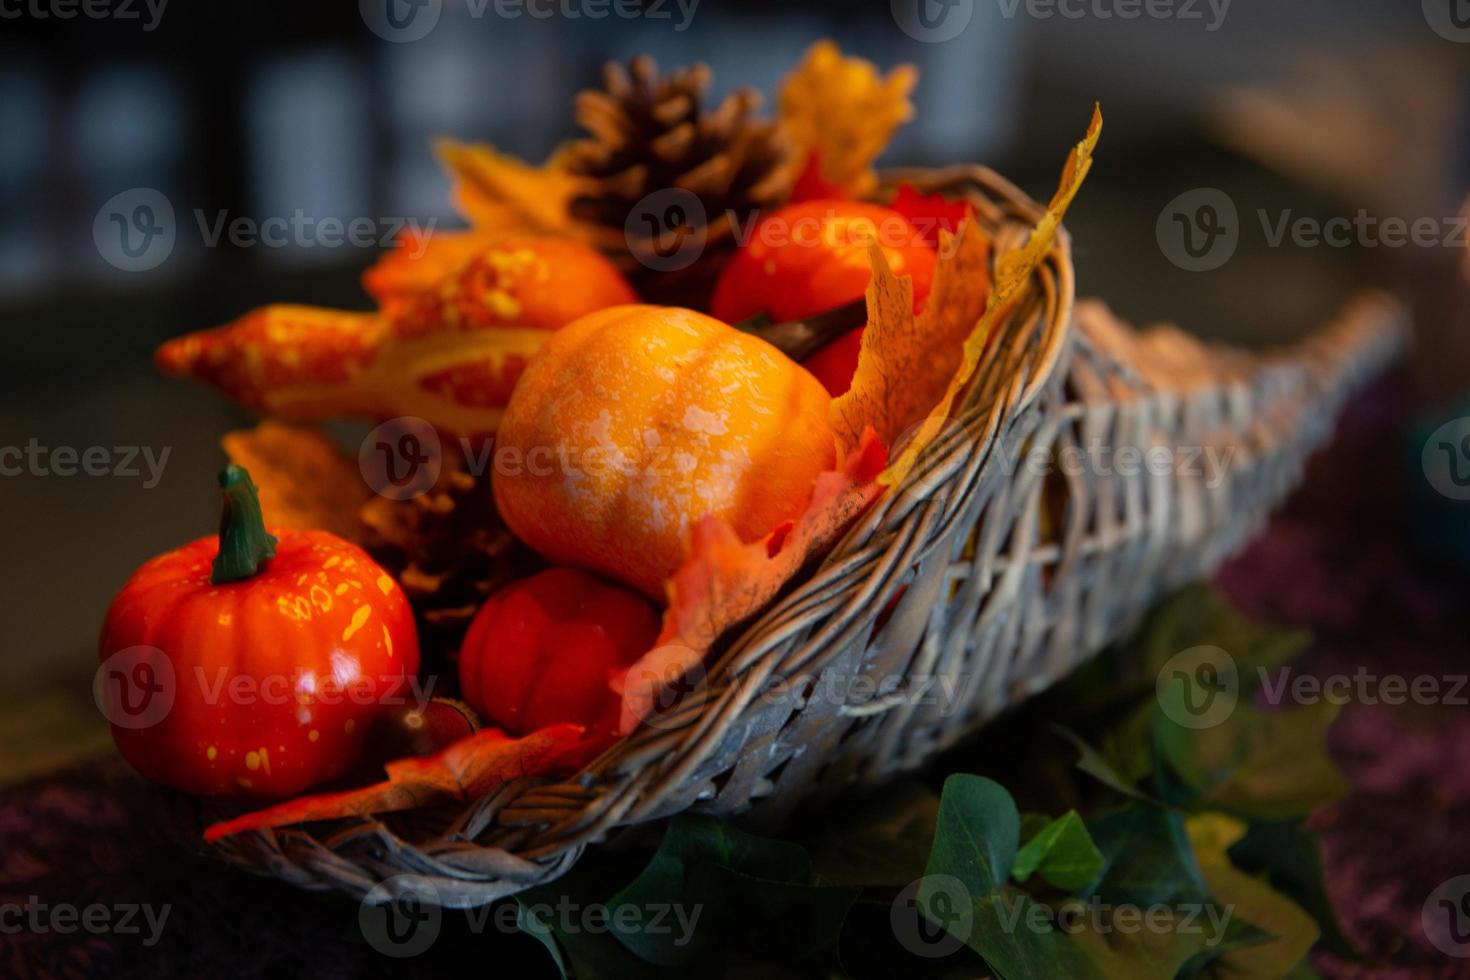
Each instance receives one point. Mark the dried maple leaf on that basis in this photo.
(304, 480)
(906, 361)
(845, 112)
(504, 195)
(891, 342)
(467, 770)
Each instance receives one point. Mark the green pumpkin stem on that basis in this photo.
(244, 544)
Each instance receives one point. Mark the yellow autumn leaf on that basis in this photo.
(500, 193)
(845, 111)
(1012, 274)
(304, 480)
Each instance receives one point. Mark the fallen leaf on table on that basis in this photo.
(304, 480)
(843, 113)
(467, 770)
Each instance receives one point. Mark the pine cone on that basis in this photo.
(448, 548)
(650, 134)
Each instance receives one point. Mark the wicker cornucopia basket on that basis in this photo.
(986, 576)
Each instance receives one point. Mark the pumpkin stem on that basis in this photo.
(244, 544)
(798, 339)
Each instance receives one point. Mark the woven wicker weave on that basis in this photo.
(974, 585)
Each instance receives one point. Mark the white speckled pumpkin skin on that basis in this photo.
(634, 422)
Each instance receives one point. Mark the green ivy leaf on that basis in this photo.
(583, 953)
(1099, 938)
(1062, 852)
(1292, 931)
(1096, 765)
(1199, 616)
(1264, 765)
(738, 890)
(1289, 855)
(976, 842)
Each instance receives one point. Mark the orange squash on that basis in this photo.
(539, 283)
(632, 423)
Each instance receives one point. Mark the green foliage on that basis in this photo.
(1178, 852)
(1062, 852)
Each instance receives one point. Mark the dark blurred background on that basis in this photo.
(270, 109)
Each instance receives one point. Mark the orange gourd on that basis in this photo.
(632, 423)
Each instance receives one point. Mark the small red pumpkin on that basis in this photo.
(547, 650)
(251, 663)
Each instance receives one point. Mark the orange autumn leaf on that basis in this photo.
(725, 580)
(418, 262)
(843, 112)
(906, 362)
(304, 480)
(503, 195)
(1012, 274)
(465, 771)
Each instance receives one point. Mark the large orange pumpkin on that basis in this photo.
(634, 422)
